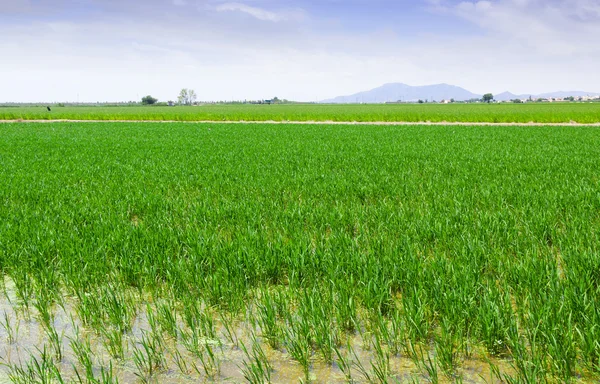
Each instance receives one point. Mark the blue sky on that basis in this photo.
(109, 50)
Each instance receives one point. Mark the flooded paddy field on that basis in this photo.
(223, 351)
(176, 253)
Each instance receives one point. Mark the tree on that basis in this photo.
(187, 96)
(148, 100)
(488, 97)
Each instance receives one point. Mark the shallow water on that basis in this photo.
(30, 338)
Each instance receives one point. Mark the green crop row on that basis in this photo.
(184, 247)
(494, 113)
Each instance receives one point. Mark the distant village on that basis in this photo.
(530, 99)
(554, 99)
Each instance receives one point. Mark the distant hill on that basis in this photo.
(393, 92)
(505, 96)
(404, 92)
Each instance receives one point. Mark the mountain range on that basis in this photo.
(393, 92)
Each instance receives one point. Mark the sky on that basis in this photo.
(304, 50)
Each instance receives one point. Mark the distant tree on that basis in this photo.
(488, 97)
(452, 100)
(187, 96)
(275, 100)
(420, 101)
(149, 100)
(570, 98)
(517, 101)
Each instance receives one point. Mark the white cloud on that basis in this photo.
(259, 13)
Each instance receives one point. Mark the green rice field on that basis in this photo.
(206, 252)
(493, 113)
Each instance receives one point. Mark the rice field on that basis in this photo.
(175, 253)
(493, 113)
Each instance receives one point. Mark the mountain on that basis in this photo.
(404, 92)
(506, 96)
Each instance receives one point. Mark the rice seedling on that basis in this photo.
(107, 375)
(229, 328)
(211, 363)
(83, 353)
(268, 320)
(55, 341)
(181, 362)
(113, 342)
(167, 318)
(360, 367)
(41, 370)
(149, 357)
(344, 363)
(381, 361)
(431, 367)
(298, 343)
(255, 367)
(24, 292)
(11, 327)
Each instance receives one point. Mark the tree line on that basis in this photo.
(186, 97)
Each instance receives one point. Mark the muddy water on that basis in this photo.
(30, 338)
